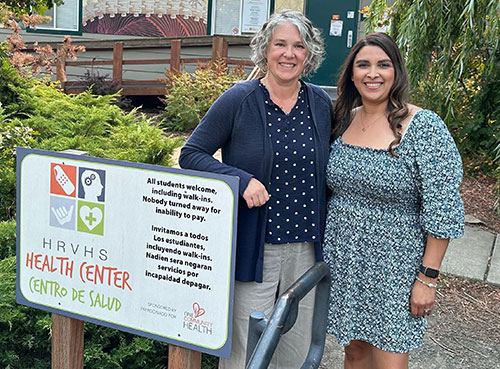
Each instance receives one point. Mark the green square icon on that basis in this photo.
(90, 217)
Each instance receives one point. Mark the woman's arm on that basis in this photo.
(423, 296)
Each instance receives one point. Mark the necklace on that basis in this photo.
(362, 118)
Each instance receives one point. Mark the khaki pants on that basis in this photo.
(283, 265)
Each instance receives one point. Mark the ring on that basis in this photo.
(427, 311)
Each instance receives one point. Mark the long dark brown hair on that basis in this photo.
(349, 97)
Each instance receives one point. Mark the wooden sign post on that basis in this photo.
(67, 342)
(182, 358)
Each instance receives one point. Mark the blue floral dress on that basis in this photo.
(379, 215)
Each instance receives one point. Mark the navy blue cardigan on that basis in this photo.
(236, 123)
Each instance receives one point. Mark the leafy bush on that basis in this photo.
(56, 121)
(98, 84)
(24, 332)
(7, 239)
(12, 134)
(10, 85)
(191, 95)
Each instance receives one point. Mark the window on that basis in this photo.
(66, 19)
(234, 17)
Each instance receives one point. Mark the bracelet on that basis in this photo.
(430, 285)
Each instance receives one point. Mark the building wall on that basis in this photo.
(297, 5)
(151, 18)
(163, 18)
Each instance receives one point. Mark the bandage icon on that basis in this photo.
(63, 180)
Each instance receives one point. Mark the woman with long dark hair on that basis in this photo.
(394, 173)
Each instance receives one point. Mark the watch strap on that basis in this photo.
(429, 272)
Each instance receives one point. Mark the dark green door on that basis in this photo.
(339, 36)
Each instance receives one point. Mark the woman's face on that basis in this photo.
(373, 74)
(286, 54)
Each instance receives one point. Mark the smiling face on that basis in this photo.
(373, 74)
(286, 54)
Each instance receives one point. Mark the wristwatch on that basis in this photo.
(429, 272)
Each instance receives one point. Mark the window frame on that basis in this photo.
(40, 28)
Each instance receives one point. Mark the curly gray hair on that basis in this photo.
(310, 35)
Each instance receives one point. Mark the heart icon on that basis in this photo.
(198, 311)
(91, 217)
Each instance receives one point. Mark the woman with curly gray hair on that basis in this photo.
(274, 134)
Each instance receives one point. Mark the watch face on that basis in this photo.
(429, 272)
(432, 273)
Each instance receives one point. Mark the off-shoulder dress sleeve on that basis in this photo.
(439, 168)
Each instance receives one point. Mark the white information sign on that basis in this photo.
(336, 27)
(255, 13)
(140, 248)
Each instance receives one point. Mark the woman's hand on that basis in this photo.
(255, 194)
(422, 299)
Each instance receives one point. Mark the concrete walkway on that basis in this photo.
(474, 256)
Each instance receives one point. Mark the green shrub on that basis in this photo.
(12, 133)
(191, 95)
(7, 239)
(24, 332)
(98, 84)
(56, 121)
(10, 85)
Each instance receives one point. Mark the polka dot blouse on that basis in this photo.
(292, 210)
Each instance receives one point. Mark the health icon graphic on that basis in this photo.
(90, 217)
(62, 179)
(62, 214)
(92, 184)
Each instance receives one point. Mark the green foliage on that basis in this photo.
(10, 85)
(52, 120)
(451, 49)
(7, 239)
(92, 123)
(107, 348)
(376, 16)
(191, 95)
(12, 133)
(24, 332)
(28, 6)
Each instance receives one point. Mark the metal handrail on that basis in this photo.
(264, 334)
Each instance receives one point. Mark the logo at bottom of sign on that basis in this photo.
(192, 321)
